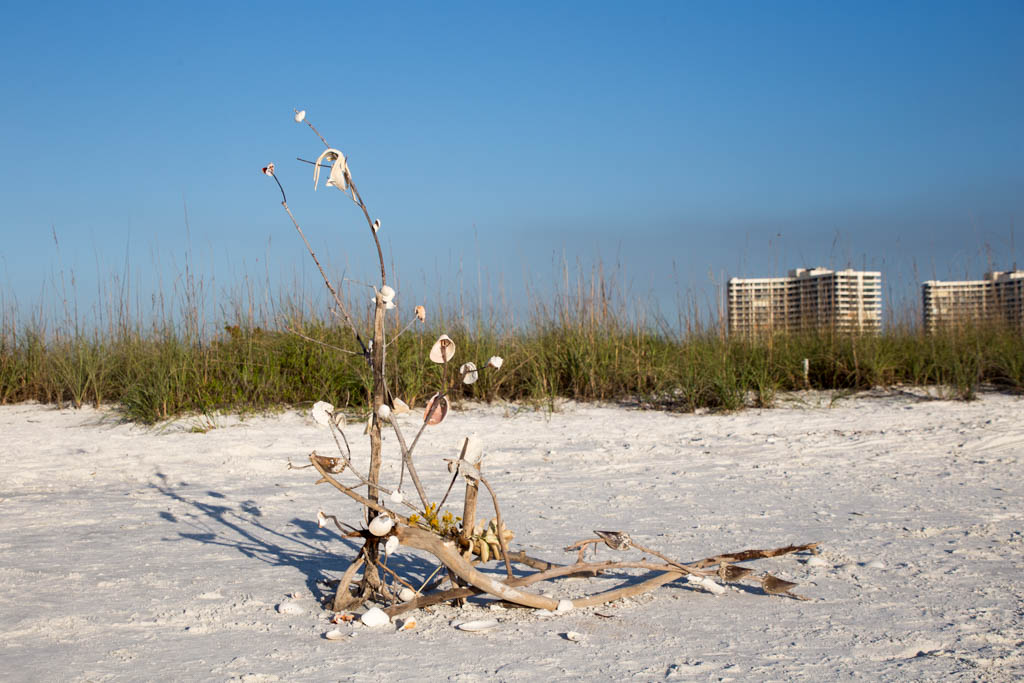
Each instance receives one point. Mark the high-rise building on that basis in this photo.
(809, 299)
(996, 299)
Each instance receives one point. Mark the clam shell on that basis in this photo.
(375, 617)
(335, 634)
(381, 525)
(472, 449)
(392, 545)
(445, 342)
(478, 625)
(408, 625)
(321, 413)
(438, 414)
(384, 411)
(291, 607)
(469, 373)
(406, 594)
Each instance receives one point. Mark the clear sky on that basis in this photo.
(678, 142)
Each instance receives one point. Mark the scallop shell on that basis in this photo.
(381, 525)
(477, 626)
(375, 617)
(437, 415)
(445, 342)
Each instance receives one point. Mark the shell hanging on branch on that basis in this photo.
(443, 349)
(469, 373)
(381, 525)
(437, 410)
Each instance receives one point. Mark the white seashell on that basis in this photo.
(469, 373)
(291, 607)
(477, 626)
(375, 617)
(387, 293)
(380, 525)
(396, 497)
(391, 546)
(400, 406)
(321, 413)
(574, 636)
(495, 361)
(443, 342)
(706, 583)
(817, 561)
(321, 519)
(406, 594)
(389, 305)
(384, 411)
(472, 449)
(432, 415)
(335, 634)
(376, 225)
(564, 606)
(875, 564)
(300, 116)
(421, 313)
(408, 625)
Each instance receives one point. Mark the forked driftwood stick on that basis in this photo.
(550, 570)
(446, 552)
(342, 597)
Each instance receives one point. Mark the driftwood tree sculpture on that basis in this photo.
(460, 544)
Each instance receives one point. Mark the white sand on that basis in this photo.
(129, 553)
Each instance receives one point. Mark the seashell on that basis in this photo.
(392, 545)
(469, 373)
(399, 406)
(375, 617)
(472, 449)
(300, 116)
(369, 424)
(406, 594)
(432, 415)
(875, 564)
(421, 313)
(376, 225)
(477, 626)
(543, 613)
(408, 625)
(321, 413)
(381, 525)
(495, 362)
(817, 561)
(342, 618)
(574, 636)
(564, 606)
(443, 349)
(291, 607)
(321, 519)
(387, 293)
(396, 497)
(384, 411)
(335, 634)
(269, 169)
(706, 583)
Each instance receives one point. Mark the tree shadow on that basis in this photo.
(239, 526)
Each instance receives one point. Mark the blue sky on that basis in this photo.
(679, 143)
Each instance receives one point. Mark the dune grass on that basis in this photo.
(594, 349)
